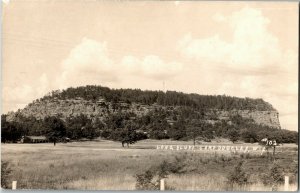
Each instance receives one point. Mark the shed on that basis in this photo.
(34, 139)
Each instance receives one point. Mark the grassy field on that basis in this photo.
(105, 165)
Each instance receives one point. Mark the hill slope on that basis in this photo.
(101, 102)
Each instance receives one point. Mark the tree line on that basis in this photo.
(169, 98)
(127, 128)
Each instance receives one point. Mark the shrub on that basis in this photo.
(150, 179)
(178, 166)
(144, 181)
(245, 156)
(5, 174)
(274, 176)
(237, 175)
(233, 135)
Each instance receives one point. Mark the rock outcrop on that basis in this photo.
(102, 109)
(269, 118)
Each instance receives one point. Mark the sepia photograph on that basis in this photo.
(149, 95)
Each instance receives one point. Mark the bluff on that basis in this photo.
(101, 102)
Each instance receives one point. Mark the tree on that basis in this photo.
(195, 129)
(127, 135)
(56, 129)
(74, 126)
(90, 131)
(233, 135)
(193, 132)
(249, 136)
(10, 131)
(178, 130)
(158, 125)
(81, 126)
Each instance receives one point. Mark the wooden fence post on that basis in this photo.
(286, 183)
(14, 185)
(162, 184)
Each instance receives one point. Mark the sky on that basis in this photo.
(243, 49)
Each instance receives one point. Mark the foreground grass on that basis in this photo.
(104, 165)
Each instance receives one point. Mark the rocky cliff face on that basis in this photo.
(102, 109)
(269, 118)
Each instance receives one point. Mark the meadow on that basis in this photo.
(105, 165)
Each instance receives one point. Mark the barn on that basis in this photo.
(34, 139)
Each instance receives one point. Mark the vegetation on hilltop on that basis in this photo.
(170, 98)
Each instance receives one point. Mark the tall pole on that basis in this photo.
(274, 152)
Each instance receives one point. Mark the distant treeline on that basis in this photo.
(181, 124)
(169, 98)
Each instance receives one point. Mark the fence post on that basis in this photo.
(286, 183)
(162, 184)
(14, 185)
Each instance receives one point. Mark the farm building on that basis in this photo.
(34, 139)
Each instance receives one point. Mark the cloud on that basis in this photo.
(253, 51)
(19, 96)
(16, 94)
(251, 45)
(208, 49)
(131, 64)
(87, 63)
(90, 63)
(250, 63)
(43, 86)
(151, 66)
